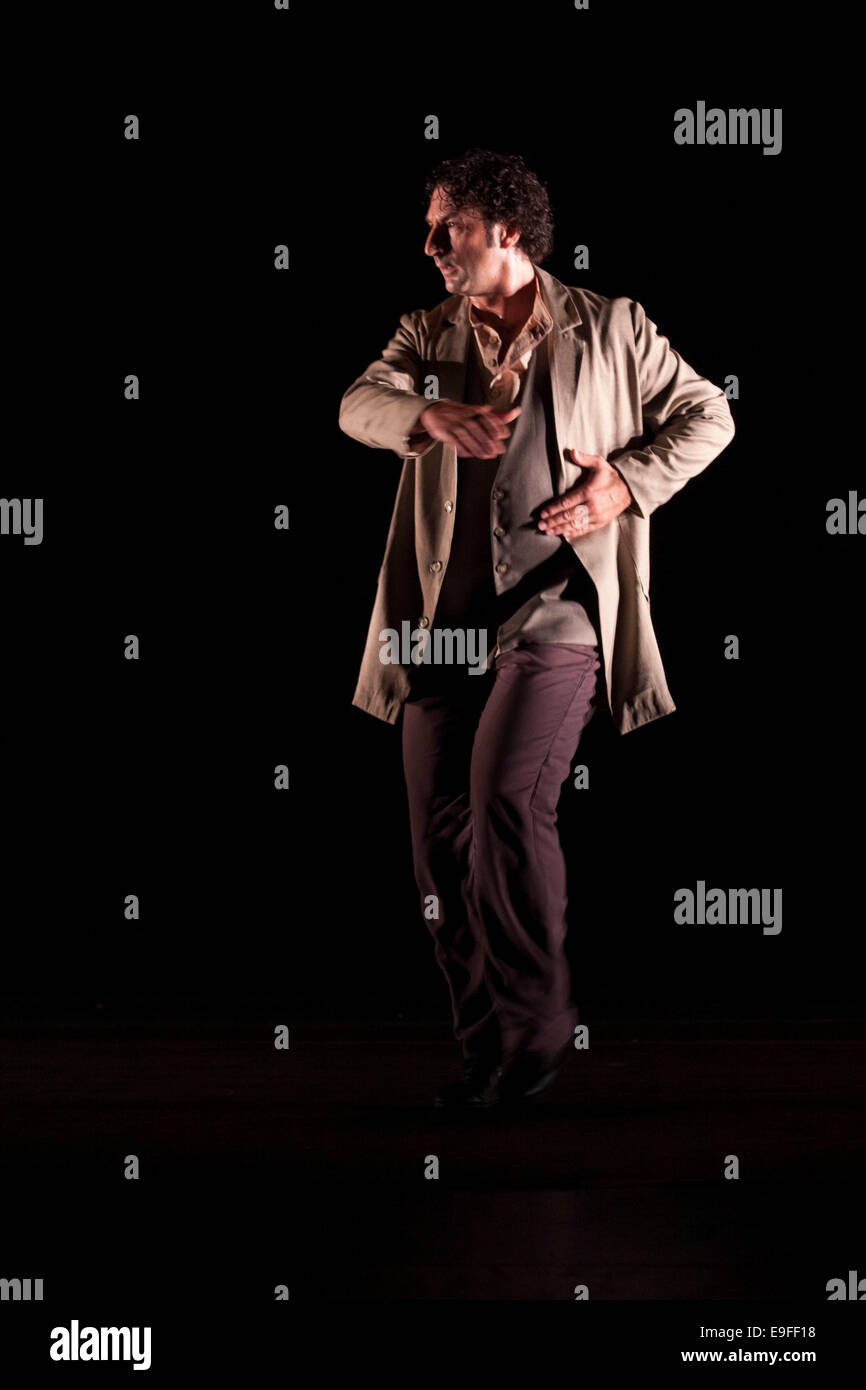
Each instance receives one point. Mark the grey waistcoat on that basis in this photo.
(503, 574)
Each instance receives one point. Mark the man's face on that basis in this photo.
(458, 245)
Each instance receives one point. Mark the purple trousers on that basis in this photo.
(484, 759)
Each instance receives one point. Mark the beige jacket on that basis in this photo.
(621, 391)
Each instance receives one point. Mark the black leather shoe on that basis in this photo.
(478, 1090)
(528, 1076)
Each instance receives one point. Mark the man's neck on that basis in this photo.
(508, 308)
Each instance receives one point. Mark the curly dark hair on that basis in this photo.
(502, 189)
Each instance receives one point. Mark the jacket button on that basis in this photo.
(449, 506)
(499, 532)
(501, 568)
(423, 622)
(436, 567)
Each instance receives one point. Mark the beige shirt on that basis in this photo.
(502, 382)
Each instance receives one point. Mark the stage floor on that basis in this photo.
(306, 1167)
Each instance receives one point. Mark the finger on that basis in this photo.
(496, 423)
(490, 425)
(568, 522)
(466, 438)
(474, 443)
(493, 429)
(563, 504)
(490, 445)
(571, 533)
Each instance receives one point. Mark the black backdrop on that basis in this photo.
(155, 777)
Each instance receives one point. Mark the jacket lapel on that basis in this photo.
(567, 343)
(566, 353)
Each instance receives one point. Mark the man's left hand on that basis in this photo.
(589, 506)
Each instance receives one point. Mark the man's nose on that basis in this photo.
(435, 241)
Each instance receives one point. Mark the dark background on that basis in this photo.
(156, 777)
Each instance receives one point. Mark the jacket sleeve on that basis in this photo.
(382, 408)
(688, 416)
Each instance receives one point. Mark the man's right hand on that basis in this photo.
(475, 431)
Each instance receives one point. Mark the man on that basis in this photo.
(573, 419)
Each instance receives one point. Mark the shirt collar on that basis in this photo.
(537, 326)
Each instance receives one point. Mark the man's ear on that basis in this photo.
(510, 234)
